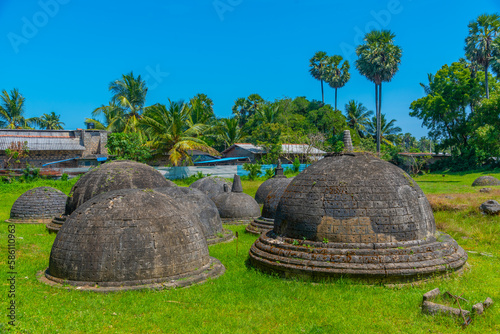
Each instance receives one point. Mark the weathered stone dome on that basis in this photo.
(354, 214)
(268, 185)
(129, 239)
(486, 180)
(236, 207)
(198, 204)
(266, 221)
(38, 205)
(119, 174)
(211, 185)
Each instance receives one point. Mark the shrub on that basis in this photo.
(296, 165)
(64, 177)
(253, 169)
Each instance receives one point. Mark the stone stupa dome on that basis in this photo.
(356, 215)
(119, 174)
(236, 207)
(211, 185)
(270, 184)
(130, 239)
(266, 221)
(38, 205)
(198, 204)
(486, 180)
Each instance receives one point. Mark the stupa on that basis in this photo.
(236, 207)
(266, 221)
(130, 239)
(486, 180)
(198, 204)
(355, 215)
(211, 185)
(37, 205)
(120, 174)
(270, 184)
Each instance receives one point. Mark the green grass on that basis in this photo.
(244, 300)
(451, 182)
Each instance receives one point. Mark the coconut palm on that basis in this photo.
(479, 46)
(170, 131)
(266, 113)
(114, 118)
(319, 69)
(337, 77)
(388, 130)
(229, 132)
(202, 110)
(378, 60)
(49, 121)
(357, 116)
(12, 110)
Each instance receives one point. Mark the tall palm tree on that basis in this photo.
(49, 121)
(388, 130)
(319, 69)
(12, 110)
(337, 77)
(357, 116)
(378, 60)
(479, 47)
(229, 132)
(171, 132)
(115, 118)
(266, 113)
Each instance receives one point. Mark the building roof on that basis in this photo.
(285, 148)
(42, 140)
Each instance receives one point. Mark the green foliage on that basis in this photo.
(338, 146)
(269, 173)
(48, 121)
(296, 165)
(128, 146)
(14, 153)
(30, 173)
(253, 169)
(64, 177)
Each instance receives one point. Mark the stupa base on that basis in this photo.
(55, 224)
(260, 225)
(382, 263)
(28, 221)
(212, 270)
(225, 236)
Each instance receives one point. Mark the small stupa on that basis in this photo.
(354, 215)
(486, 180)
(37, 206)
(266, 221)
(211, 185)
(270, 184)
(198, 204)
(130, 239)
(236, 207)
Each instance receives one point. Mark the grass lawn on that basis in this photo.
(244, 300)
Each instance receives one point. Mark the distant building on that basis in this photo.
(305, 153)
(57, 148)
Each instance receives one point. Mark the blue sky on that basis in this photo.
(62, 54)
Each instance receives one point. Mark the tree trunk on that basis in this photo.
(377, 131)
(486, 80)
(379, 113)
(335, 98)
(322, 94)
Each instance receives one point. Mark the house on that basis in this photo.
(305, 153)
(55, 148)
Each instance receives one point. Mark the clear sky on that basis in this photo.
(62, 54)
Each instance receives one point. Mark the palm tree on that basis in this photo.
(378, 60)
(171, 131)
(337, 77)
(479, 47)
(202, 110)
(357, 116)
(266, 113)
(12, 110)
(388, 131)
(319, 69)
(114, 118)
(229, 132)
(49, 121)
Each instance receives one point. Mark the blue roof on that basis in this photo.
(220, 160)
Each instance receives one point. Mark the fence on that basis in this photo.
(221, 171)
